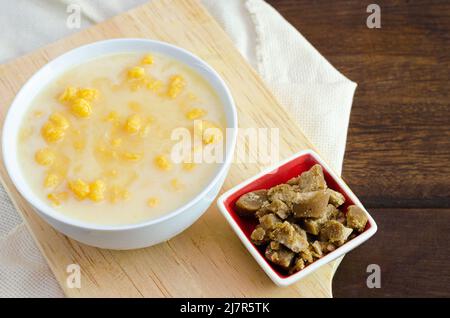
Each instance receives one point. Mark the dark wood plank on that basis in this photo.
(398, 149)
(412, 251)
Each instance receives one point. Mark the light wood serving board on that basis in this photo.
(207, 260)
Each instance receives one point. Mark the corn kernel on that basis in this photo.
(59, 120)
(212, 135)
(133, 124)
(147, 60)
(136, 72)
(89, 94)
(52, 133)
(97, 191)
(79, 188)
(176, 184)
(152, 202)
(188, 166)
(116, 142)
(54, 199)
(81, 108)
(52, 180)
(195, 113)
(45, 157)
(176, 85)
(208, 131)
(162, 162)
(154, 85)
(118, 194)
(131, 156)
(112, 117)
(68, 95)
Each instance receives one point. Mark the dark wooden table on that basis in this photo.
(398, 150)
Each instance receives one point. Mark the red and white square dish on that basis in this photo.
(281, 173)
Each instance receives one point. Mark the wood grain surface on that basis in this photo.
(398, 150)
(207, 259)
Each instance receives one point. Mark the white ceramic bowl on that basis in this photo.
(277, 174)
(126, 236)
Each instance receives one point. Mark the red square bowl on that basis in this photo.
(281, 173)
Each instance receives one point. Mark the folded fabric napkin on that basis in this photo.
(316, 94)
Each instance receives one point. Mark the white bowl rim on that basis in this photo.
(262, 262)
(47, 210)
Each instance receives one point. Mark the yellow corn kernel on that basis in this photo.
(154, 85)
(68, 95)
(162, 162)
(89, 94)
(112, 117)
(81, 108)
(212, 135)
(136, 72)
(152, 202)
(131, 156)
(54, 199)
(188, 166)
(195, 113)
(133, 124)
(116, 142)
(45, 157)
(57, 198)
(79, 188)
(135, 106)
(59, 120)
(176, 85)
(52, 180)
(147, 60)
(97, 191)
(176, 184)
(208, 131)
(52, 133)
(119, 194)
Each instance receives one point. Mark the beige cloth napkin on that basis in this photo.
(316, 94)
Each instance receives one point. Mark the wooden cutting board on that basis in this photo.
(207, 260)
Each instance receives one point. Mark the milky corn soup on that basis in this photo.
(96, 143)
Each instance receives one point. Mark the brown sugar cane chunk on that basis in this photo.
(249, 203)
(312, 205)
